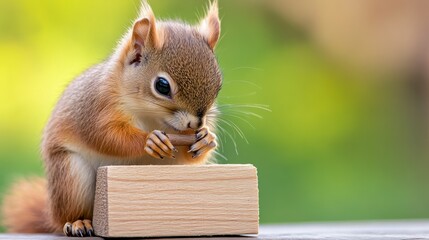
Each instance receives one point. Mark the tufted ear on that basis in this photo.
(210, 25)
(145, 33)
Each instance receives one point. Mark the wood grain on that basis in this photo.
(176, 200)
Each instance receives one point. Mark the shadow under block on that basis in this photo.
(176, 200)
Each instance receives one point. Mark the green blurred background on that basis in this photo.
(346, 136)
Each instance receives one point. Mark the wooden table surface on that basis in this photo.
(370, 230)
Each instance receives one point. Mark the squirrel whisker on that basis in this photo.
(223, 131)
(240, 118)
(235, 128)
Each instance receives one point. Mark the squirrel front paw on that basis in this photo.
(205, 142)
(79, 228)
(158, 145)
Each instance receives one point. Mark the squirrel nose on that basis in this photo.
(196, 124)
(200, 122)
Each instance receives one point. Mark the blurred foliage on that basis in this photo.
(337, 145)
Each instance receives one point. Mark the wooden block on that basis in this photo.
(176, 200)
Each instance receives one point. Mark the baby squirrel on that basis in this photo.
(162, 78)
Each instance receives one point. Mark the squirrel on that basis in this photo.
(163, 77)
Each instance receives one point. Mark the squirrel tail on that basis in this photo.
(25, 207)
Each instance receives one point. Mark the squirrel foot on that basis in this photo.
(79, 228)
(206, 141)
(158, 145)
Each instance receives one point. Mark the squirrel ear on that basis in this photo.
(145, 33)
(210, 25)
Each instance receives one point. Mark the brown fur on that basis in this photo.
(106, 114)
(27, 199)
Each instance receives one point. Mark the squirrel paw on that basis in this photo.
(206, 141)
(159, 146)
(79, 228)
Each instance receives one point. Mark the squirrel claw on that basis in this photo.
(79, 228)
(67, 229)
(202, 133)
(158, 145)
(196, 154)
(80, 232)
(206, 141)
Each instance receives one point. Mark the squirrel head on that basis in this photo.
(170, 74)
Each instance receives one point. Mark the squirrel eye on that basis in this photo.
(162, 86)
